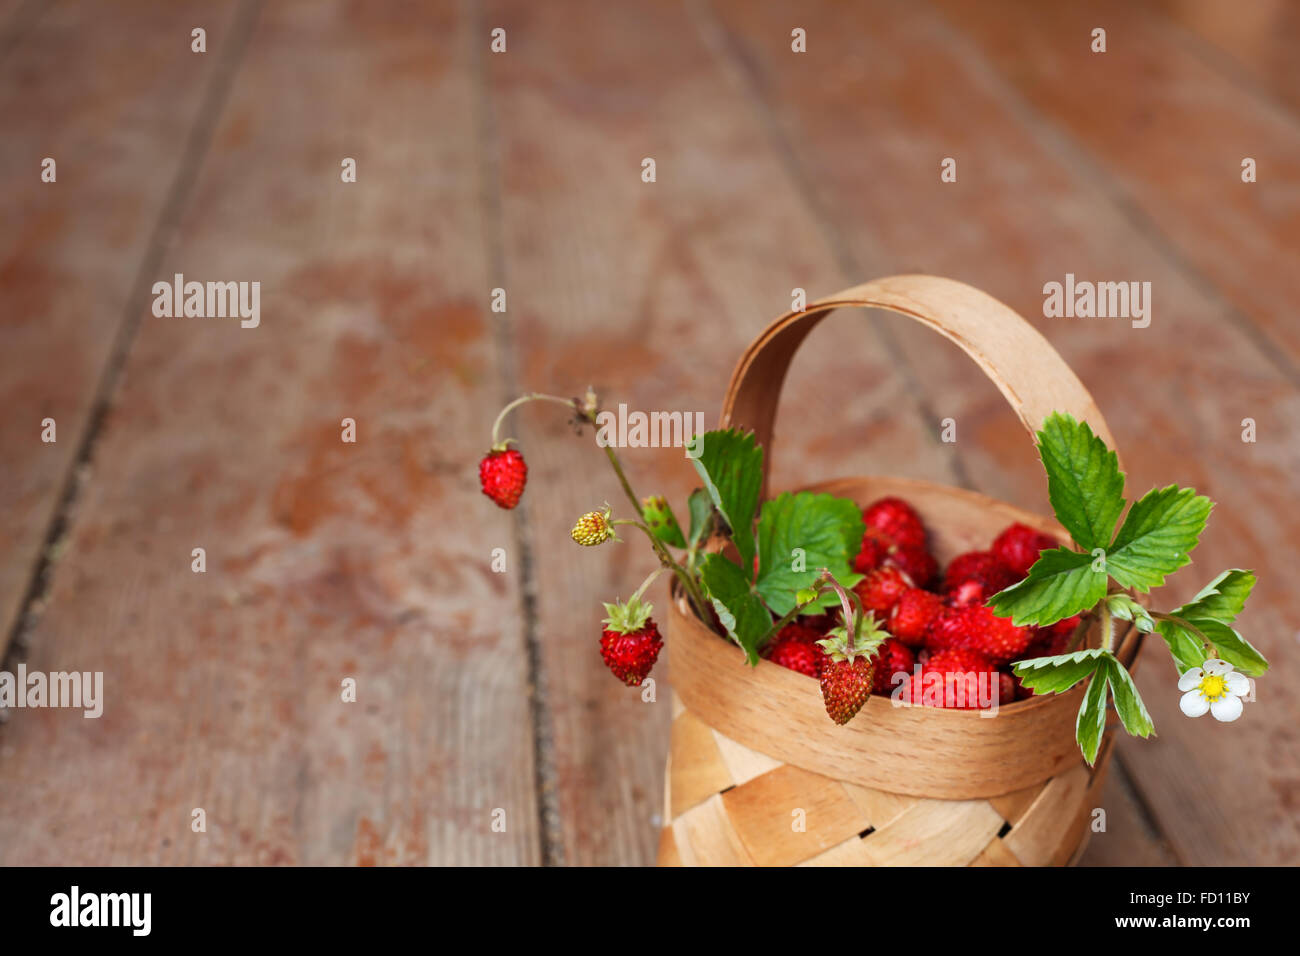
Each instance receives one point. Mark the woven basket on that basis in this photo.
(759, 775)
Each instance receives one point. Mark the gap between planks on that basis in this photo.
(546, 784)
(164, 232)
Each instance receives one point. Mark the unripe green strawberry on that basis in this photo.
(592, 529)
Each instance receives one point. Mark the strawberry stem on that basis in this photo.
(647, 582)
(1107, 627)
(530, 397)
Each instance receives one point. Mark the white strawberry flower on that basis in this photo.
(1215, 687)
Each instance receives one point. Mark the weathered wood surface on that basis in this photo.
(71, 251)
(325, 560)
(522, 170)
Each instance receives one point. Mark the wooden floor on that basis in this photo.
(481, 696)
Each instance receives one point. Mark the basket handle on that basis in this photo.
(1023, 365)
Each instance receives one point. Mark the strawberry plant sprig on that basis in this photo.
(797, 541)
(1086, 490)
(502, 475)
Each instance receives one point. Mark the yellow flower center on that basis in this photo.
(1213, 686)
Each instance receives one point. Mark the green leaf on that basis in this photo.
(731, 465)
(701, 508)
(1213, 612)
(1060, 584)
(1128, 702)
(1222, 599)
(1156, 537)
(1185, 646)
(1232, 647)
(798, 535)
(1084, 482)
(744, 616)
(1051, 675)
(1091, 722)
(659, 518)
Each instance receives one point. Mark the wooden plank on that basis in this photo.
(1169, 131)
(71, 249)
(325, 560)
(869, 126)
(1130, 837)
(610, 277)
(1251, 42)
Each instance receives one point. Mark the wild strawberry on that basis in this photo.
(795, 647)
(881, 589)
(947, 629)
(1007, 686)
(802, 631)
(916, 563)
(797, 656)
(630, 644)
(1052, 640)
(846, 685)
(1018, 547)
(875, 547)
(898, 520)
(502, 474)
(955, 678)
(593, 528)
(974, 577)
(1022, 692)
(994, 637)
(1066, 625)
(847, 673)
(912, 616)
(893, 657)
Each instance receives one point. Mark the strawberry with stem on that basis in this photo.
(502, 474)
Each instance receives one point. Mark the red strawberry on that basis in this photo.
(1066, 625)
(802, 632)
(796, 655)
(947, 629)
(912, 616)
(1018, 547)
(1022, 692)
(1007, 688)
(881, 589)
(795, 647)
(875, 546)
(1052, 640)
(994, 637)
(502, 474)
(894, 656)
(846, 685)
(630, 644)
(955, 678)
(916, 563)
(898, 520)
(974, 577)
(847, 673)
